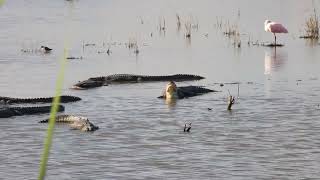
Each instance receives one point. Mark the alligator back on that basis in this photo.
(190, 91)
(131, 78)
(64, 119)
(123, 78)
(175, 77)
(20, 111)
(35, 109)
(63, 99)
(75, 122)
(127, 78)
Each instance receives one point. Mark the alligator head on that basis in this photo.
(171, 91)
(83, 124)
(89, 83)
(75, 122)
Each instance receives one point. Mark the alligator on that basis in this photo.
(6, 112)
(174, 92)
(63, 99)
(76, 122)
(131, 78)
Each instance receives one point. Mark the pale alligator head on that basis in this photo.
(171, 90)
(75, 122)
(83, 124)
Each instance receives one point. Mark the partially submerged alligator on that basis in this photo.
(76, 122)
(6, 112)
(63, 99)
(131, 78)
(174, 92)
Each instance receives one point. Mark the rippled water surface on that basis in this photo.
(271, 133)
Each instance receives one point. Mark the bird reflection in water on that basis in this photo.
(274, 60)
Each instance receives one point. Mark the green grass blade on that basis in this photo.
(54, 109)
(2, 2)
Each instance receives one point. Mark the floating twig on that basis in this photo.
(187, 127)
(230, 102)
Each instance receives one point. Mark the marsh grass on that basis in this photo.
(231, 29)
(162, 24)
(188, 27)
(178, 22)
(132, 43)
(191, 24)
(312, 27)
(232, 32)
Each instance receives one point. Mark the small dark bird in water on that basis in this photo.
(45, 49)
(209, 109)
(187, 128)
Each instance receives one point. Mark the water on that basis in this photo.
(271, 133)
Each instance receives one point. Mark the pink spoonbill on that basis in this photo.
(273, 27)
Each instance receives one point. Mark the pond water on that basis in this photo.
(271, 133)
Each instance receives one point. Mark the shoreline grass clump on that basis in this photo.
(312, 27)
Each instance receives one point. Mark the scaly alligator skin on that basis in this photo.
(63, 99)
(131, 78)
(6, 112)
(174, 92)
(76, 122)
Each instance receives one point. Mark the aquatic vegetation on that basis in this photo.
(162, 24)
(218, 23)
(312, 27)
(190, 24)
(188, 29)
(231, 29)
(132, 43)
(178, 22)
(233, 32)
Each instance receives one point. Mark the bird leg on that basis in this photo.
(275, 39)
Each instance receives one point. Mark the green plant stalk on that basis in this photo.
(2, 2)
(54, 109)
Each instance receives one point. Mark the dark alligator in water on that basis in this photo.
(76, 122)
(174, 92)
(63, 99)
(6, 112)
(131, 78)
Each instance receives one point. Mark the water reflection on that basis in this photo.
(311, 42)
(171, 102)
(274, 60)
